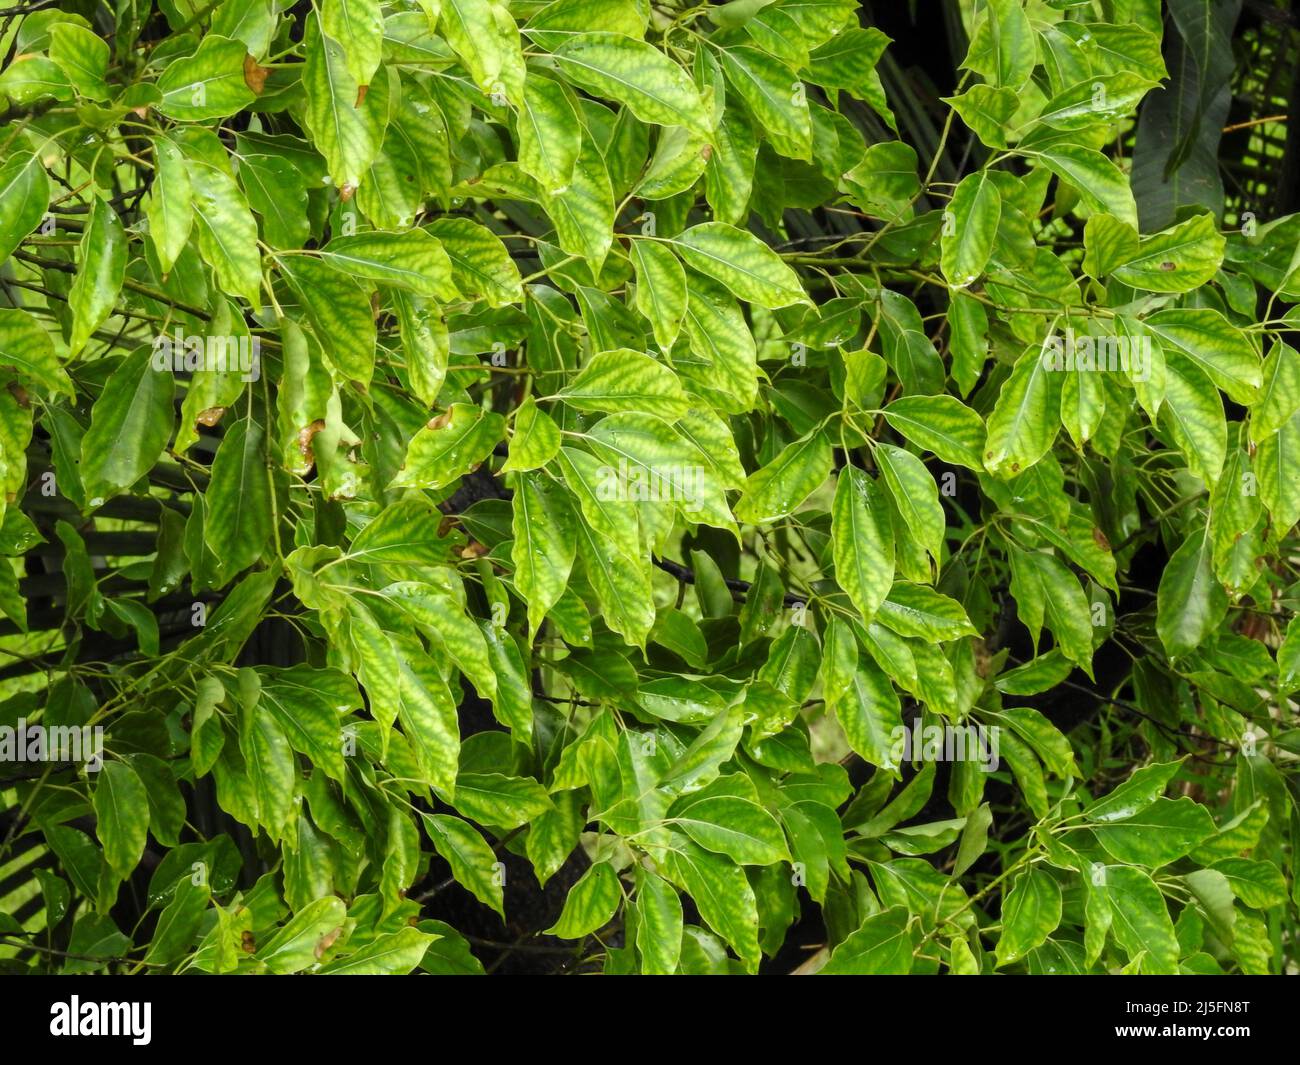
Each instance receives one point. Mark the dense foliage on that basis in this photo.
(587, 461)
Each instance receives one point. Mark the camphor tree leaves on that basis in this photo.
(612, 468)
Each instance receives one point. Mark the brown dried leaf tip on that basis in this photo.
(255, 75)
(305, 436)
(326, 941)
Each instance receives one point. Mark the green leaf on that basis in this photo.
(1035, 676)
(1083, 405)
(721, 893)
(34, 77)
(1025, 418)
(1139, 918)
(612, 517)
(729, 170)
(270, 765)
(711, 748)
(1100, 100)
(1138, 792)
(99, 276)
(307, 704)
(1098, 181)
(661, 292)
(166, 806)
(549, 134)
(130, 425)
(915, 496)
(1258, 884)
(860, 696)
(726, 817)
(535, 441)
(1157, 834)
(1190, 603)
(1175, 260)
(848, 61)
(250, 21)
(966, 243)
(358, 27)
(27, 348)
(299, 943)
(413, 260)
(121, 816)
(277, 191)
(647, 450)
(544, 545)
(82, 56)
(227, 231)
(774, 96)
(720, 339)
(208, 84)
(338, 307)
(583, 212)
(178, 924)
(961, 959)
(862, 541)
(472, 31)
(427, 712)
(346, 125)
(170, 205)
(906, 345)
(941, 424)
(987, 111)
(1030, 914)
(24, 196)
(881, 946)
(449, 446)
(1068, 613)
(1003, 46)
(918, 611)
(481, 266)
(1275, 461)
(626, 380)
(742, 262)
(590, 904)
(1205, 338)
(636, 74)
(392, 954)
(974, 839)
(1192, 413)
(499, 800)
(472, 861)
(403, 532)
(1279, 394)
(679, 159)
(557, 21)
(1109, 244)
(621, 583)
(553, 836)
(449, 953)
(239, 505)
(777, 489)
(426, 343)
(658, 923)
